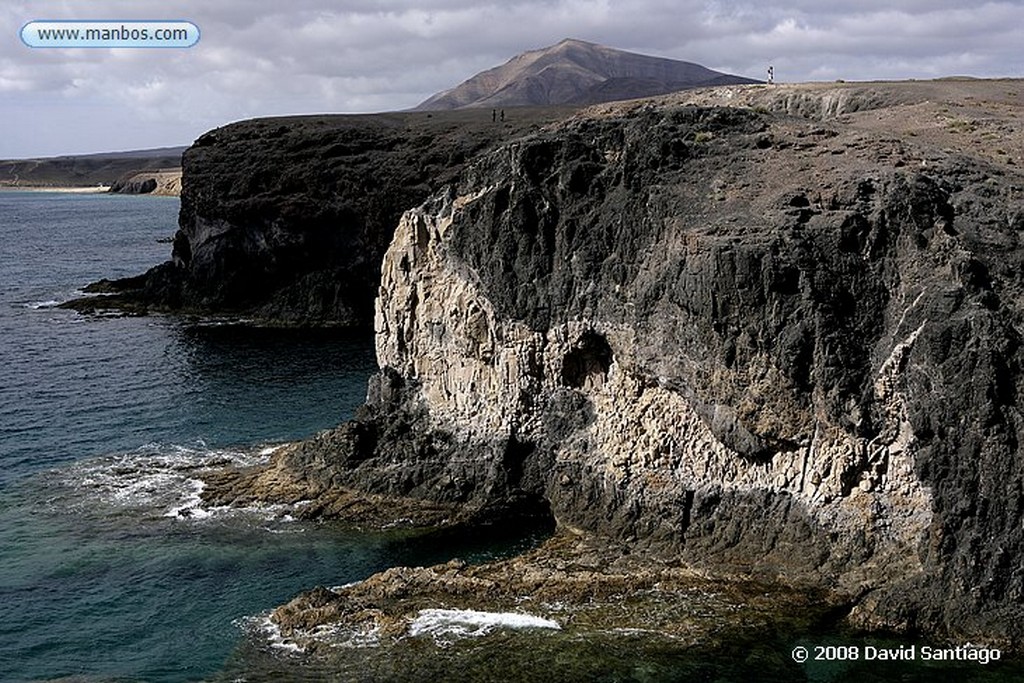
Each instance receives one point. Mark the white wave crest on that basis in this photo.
(446, 624)
(266, 629)
(334, 635)
(38, 305)
(165, 480)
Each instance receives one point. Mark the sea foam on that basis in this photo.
(165, 481)
(445, 624)
(39, 305)
(333, 635)
(266, 629)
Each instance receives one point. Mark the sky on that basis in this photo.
(275, 57)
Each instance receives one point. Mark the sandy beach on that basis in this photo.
(94, 189)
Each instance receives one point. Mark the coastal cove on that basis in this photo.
(110, 568)
(720, 385)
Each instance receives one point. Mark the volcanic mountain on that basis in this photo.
(576, 72)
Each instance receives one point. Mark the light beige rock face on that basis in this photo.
(434, 326)
(162, 182)
(646, 447)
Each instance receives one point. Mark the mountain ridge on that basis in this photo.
(576, 72)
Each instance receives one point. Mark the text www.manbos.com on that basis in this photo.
(110, 34)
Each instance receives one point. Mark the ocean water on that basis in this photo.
(109, 568)
(112, 570)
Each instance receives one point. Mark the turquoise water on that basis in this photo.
(102, 424)
(110, 569)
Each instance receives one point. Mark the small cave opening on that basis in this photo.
(181, 250)
(586, 365)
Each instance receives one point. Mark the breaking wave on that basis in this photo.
(158, 481)
(448, 624)
(338, 635)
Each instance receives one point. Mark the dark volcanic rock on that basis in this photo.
(720, 337)
(285, 220)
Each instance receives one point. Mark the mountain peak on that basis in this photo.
(572, 42)
(575, 71)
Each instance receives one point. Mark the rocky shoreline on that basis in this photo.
(569, 589)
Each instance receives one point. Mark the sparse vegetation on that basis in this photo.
(961, 125)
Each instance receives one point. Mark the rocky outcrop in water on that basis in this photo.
(582, 610)
(749, 343)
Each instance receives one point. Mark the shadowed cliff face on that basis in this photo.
(299, 227)
(285, 221)
(694, 330)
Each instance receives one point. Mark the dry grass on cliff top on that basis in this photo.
(979, 118)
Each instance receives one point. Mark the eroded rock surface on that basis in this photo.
(164, 182)
(568, 583)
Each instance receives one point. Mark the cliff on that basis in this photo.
(285, 220)
(165, 182)
(751, 343)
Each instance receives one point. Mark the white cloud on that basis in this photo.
(262, 57)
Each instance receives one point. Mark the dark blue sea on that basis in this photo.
(111, 569)
(104, 422)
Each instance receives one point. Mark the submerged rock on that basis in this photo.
(570, 603)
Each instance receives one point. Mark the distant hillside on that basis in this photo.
(576, 72)
(86, 170)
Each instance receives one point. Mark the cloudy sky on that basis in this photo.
(266, 57)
